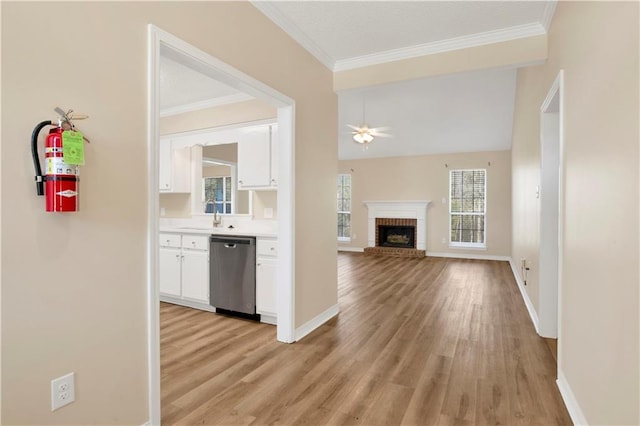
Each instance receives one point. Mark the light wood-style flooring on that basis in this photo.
(427, 341)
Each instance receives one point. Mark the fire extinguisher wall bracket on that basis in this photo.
(34, 155)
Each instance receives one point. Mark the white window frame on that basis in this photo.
(468, 245)
(224, 201)
(346, 239)
(234, 187)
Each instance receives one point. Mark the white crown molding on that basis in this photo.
(474, 40)
(547, 14)
(207, 103)
(294, 32)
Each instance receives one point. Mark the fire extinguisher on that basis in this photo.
(60, 184)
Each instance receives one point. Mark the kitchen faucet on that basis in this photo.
(216, 220)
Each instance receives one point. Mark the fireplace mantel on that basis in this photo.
(400, 210)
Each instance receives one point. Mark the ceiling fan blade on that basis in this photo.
(382, 135)
(357, 129)
(380, 129)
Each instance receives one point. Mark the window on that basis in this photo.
(344, 207)
(467, 207)
(217, 189)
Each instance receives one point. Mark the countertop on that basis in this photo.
(239, 231)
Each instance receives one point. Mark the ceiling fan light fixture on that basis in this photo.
(363, 137)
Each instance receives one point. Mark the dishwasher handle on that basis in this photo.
(232, 241)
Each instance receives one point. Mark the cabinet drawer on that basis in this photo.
(267, 247)
(170, 240)
(197, 242)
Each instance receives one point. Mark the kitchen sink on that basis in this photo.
(196, 228)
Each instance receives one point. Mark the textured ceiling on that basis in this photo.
(335, 31)
(182, 85)
(456, 113)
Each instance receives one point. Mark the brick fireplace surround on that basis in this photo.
(397, 213)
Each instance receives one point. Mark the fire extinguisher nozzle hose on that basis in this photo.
(34, 154)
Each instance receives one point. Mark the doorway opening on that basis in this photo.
(208, 65)
(551, 211)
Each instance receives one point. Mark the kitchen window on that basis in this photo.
(217, 189)
(344, 207)
(467, 208)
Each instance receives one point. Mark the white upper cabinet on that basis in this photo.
(175, 167)
(257, 157)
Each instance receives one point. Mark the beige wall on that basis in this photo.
(215, 171)
(240, 112)
(175, 205)
(596, 43)
(426, 177)
(74, 285)
(263, 200)
(225, 152)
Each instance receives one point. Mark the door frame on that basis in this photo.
(551, 211)
(286, 131)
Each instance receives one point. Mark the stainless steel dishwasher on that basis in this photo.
(232, 273)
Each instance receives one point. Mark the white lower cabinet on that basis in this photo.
(184, 267)
(170, 271)
(266, 284)
(195, 275)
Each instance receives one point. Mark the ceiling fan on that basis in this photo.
(363, 134)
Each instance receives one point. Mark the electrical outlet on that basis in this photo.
(353, 236)
(444, 240)
(62, 391)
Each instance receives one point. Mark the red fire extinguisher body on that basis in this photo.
(61, 179)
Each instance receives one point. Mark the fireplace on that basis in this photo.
(397, 228)
(399, 233)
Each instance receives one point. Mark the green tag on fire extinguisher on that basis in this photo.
(73, 147)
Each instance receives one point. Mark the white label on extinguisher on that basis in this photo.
(68, 193)
(57, 166)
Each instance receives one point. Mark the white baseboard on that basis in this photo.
(575, 412)
(188, 303)
(316, 322)
(468, 256)
(269, 319)
(525, 296)
(353, 249)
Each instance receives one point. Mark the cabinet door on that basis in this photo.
(195, 275)
(254, 157)
(164, 178)
(181, 170)
(274, 155)
(266, 286)
(174, 171)
(169, 273)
